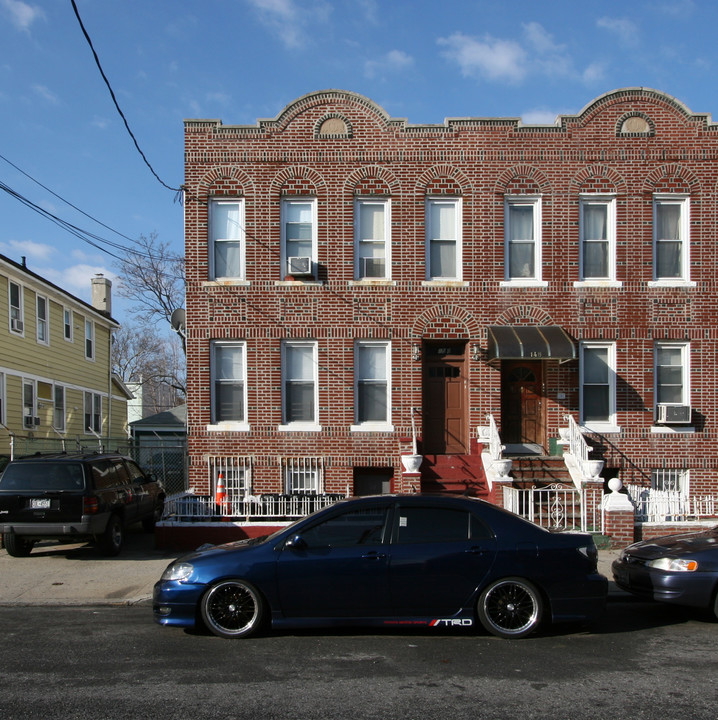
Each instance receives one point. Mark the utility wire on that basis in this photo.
(179, 191)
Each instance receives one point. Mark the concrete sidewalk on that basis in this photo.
(78, 575)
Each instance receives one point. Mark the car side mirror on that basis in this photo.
(296, 542)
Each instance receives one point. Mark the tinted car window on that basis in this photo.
(103, 473)
(360, 527)
(121, 473)
(424, 524)
(43, 476)
(134, 471)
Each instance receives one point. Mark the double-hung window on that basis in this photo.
(597, 224)
(2, 399)
(227, 239)
(371, 385)
(16, 309)
(371, 232)
(299, 383)
(671, 374)
(43, 332)
(671, 238)
(229, 382)
(299, 236)
(93, 412)
(443, 239)
(89, 339)
(58, 415)
(522, 216)
(29, 404)
(598, 385)
(67, 324)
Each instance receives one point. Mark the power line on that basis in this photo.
(179, 191)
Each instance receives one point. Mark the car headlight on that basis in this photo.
(673, 564)
(178, 571)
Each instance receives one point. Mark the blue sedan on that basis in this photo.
(388, 561)
(681, 569)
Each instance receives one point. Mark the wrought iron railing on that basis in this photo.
(496, 449)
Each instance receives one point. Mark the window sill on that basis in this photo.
(672, 284)
(228, 427)
(372, 428)
(298, 283)
(601, 428)
(372, 282)
(226, 282)
(598, 284)
(672, 430)
(444, 283)
(299, 427)
(523, 284)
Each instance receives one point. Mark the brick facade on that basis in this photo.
(332, 148)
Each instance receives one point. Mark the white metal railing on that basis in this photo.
(558, 507)
(188, 507)
(495, 447)
(664, 506)
(578, 447)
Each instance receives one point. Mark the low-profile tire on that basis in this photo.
(715, 606)
(113, 537)
(17, 546)
(148, 523)
(510, 608)
(233, 609)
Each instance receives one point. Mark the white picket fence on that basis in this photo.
(663, 506)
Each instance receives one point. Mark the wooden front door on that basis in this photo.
(444, 399)
(522, 406)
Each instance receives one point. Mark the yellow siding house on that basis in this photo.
(56, 382)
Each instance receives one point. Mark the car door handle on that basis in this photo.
(476, 550)
(373, 556)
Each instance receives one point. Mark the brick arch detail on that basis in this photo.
(524, 315)
(671, 178)
(297, 180)
(598, 178)
(426, 183)
(442, 321)
(225, 180)
(506, 182)
(373, 175)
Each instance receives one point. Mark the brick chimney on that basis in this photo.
(102, 294)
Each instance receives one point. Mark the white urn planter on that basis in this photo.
(593, 468)
(501, 467)
(411, 463)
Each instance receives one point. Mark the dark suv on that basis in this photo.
(75, 497)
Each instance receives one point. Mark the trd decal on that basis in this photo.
(451, 622)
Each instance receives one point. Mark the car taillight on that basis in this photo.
(90, 506)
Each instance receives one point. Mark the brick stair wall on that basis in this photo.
(454, 474)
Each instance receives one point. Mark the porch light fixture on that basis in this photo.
(475, 352)
(415, 352)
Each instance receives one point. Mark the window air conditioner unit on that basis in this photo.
(674, 414)
(299, 266)
(372, 267)
(16, 325)
(29, 421)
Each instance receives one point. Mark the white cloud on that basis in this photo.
(394, 61)
(539, 116)
(624, 29)
(288, 19)
(489, 57)
(22, 15)
(594, 73)
(16, 249)
(45, 93)
(77, 278)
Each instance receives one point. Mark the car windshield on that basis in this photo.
(42, 476)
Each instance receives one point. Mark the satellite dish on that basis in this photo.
(178, 320)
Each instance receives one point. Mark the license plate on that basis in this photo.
(40, 503)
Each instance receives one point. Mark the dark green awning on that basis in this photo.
(529, 342)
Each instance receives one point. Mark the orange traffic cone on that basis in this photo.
(220, 496)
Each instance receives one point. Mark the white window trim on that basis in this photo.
(611, 425)
(372, 426)
(223, 279)
(301, 426)
(227, 425)
(45, 320)
(457, 202)
(90, 324)
(27, 382)
(3, 402)
(685, 348)
(92, 396)
(297, 199)
(684, 202)
(386, 204)
(610, 202)
(536, 202)
(55, 390)
(20, 309)
(65, 324)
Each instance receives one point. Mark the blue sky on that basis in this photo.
(239, 60)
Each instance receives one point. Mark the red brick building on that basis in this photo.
(349, 273)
